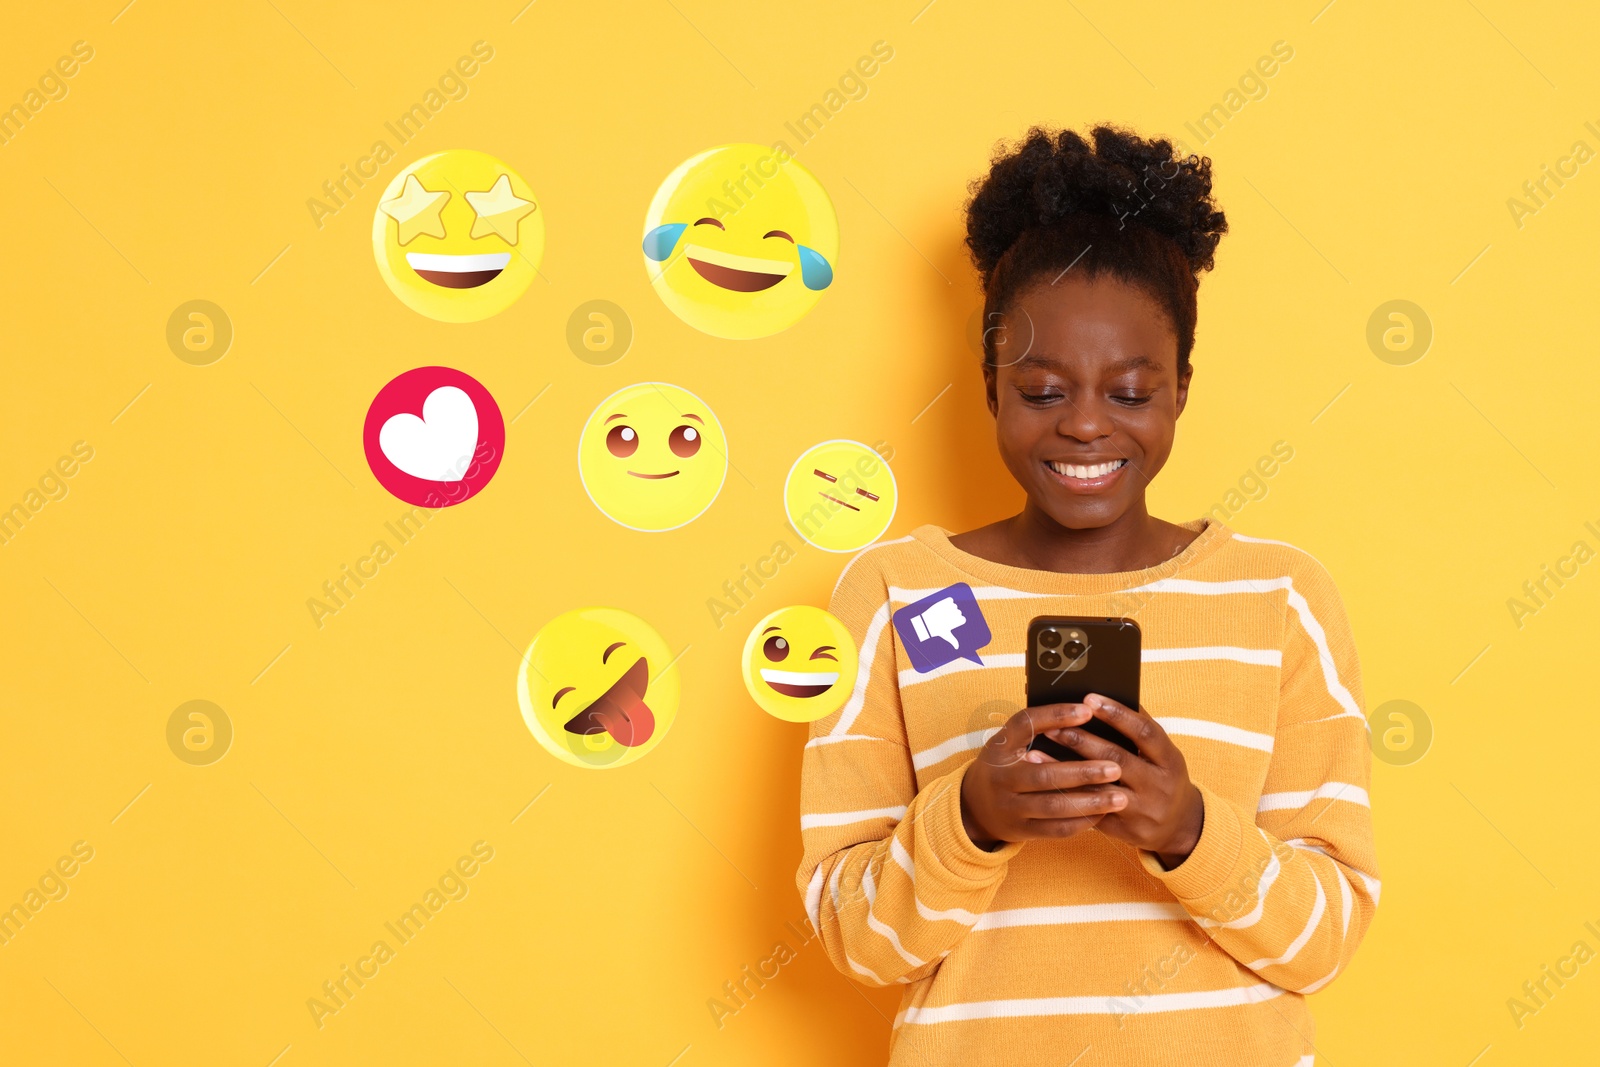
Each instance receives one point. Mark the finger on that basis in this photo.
(1072, 804)
(1140, 727)
(1134, 769)
(1055, 776)
(1048, 717)
(1020, 730)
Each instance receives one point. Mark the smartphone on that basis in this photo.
(1069, 657)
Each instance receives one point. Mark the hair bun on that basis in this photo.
(1051, 176)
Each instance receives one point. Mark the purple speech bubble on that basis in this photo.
(943, 627)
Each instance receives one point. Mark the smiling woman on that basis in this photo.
(1091, 260)
(1161, 848)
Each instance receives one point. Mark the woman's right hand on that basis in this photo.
(1011, 793)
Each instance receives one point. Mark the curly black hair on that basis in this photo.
(1128, 207)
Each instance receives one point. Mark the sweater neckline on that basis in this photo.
(937, 539)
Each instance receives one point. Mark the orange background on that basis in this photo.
(370, 754)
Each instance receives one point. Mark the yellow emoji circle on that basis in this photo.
(741, 241)
(458, 236)
(652, 457)
(840, 496)
(596, 689)
(800, 664)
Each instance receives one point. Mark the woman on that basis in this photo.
(1171, 906)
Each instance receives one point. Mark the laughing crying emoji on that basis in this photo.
(740, 241)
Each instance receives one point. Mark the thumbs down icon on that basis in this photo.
(941, 620)
(943, 627)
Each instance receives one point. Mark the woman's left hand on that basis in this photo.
(1165, 812)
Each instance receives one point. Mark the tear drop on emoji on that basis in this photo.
(800, 664)
(840, 496)
(741, 241)
(652, 457)
(597, 688)
(458, 236)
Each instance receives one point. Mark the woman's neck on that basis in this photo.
(1035, 541)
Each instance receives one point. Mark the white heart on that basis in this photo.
(437, 447)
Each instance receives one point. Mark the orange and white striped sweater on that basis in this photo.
(1085, 951)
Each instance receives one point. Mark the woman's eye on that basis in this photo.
(1040, 398)
(1132, 401)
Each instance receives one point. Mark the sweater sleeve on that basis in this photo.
(1289, 889)
(891, 881)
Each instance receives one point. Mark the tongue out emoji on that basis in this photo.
(597, 689)
(620, 711)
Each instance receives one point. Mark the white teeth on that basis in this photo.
(801, 677)
(1076, 470)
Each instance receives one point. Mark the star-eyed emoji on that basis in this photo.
(458, 236)
(741, 241)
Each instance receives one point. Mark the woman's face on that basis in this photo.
(1086, 396)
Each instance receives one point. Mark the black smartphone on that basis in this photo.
(1069, 657)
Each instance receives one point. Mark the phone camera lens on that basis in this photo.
(1050, 660)
(1075, 648)
(1049, 638)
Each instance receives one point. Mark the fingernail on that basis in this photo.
(1118, 799)
(1108, 772)
(1096, 699)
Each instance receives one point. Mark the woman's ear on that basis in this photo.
(989, 389)
(1183, 386)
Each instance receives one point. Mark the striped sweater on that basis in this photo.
(1043, 951)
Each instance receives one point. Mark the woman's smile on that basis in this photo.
(1086, 477)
